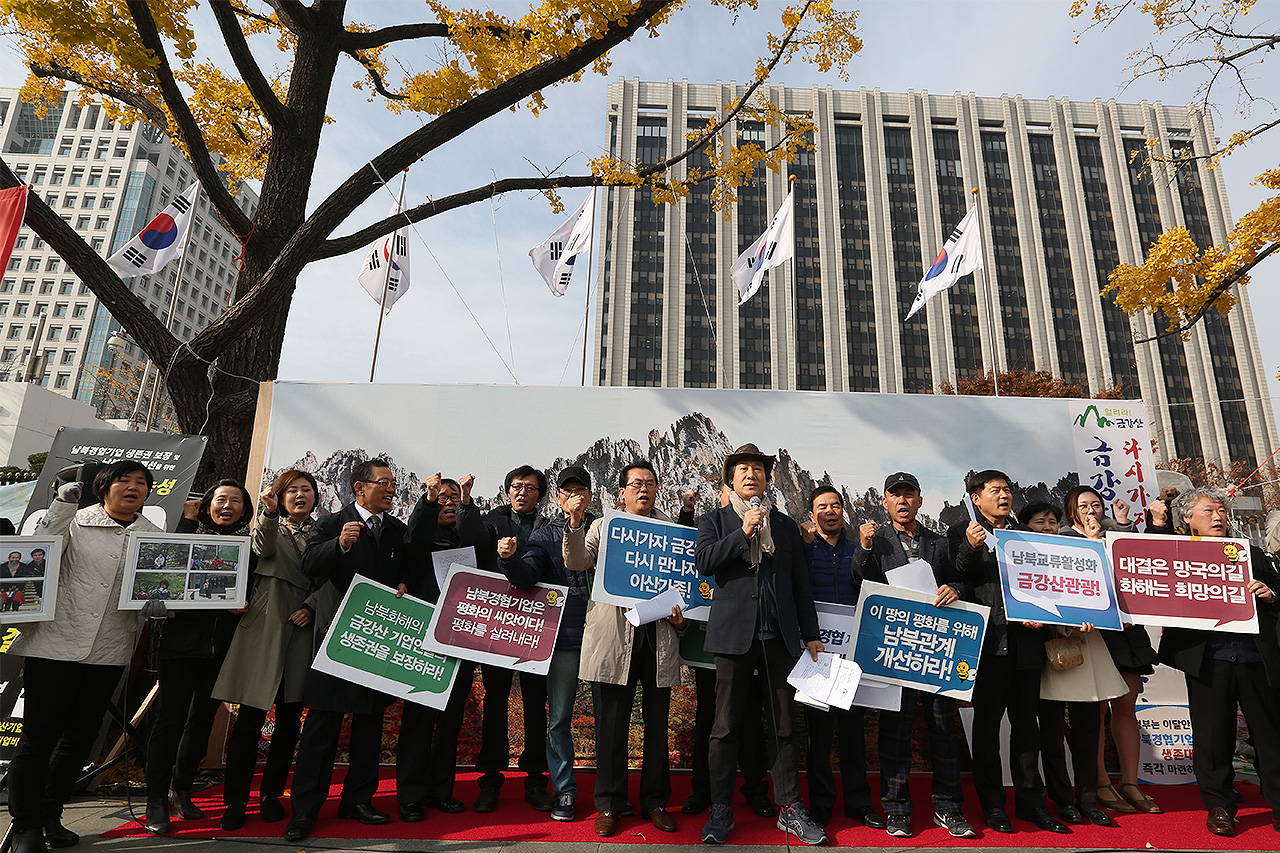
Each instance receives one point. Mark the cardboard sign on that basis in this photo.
(376, 640)
(641, 557)
(481, 617)
(1058, 580)
(1164, 745)
(835, 625)
(693, 647)
(1184, 581)
(901, 638)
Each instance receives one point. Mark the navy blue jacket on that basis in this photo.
(541, 560)
(831, 569)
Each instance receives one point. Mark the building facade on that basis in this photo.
(1064, 194)
(107, 180)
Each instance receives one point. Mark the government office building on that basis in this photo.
(107, 180)
(1064, 197)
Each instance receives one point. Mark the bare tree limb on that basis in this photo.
(386, 35)
(250, 72)
(1222, 288)
(201, 161)
(295, 16)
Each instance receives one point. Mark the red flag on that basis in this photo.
(13, 206)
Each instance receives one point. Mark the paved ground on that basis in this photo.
(89, 817)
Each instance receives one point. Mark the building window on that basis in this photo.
(15, 263)
(59, 172)
(20, 310)
(33, 265)
(113, 178)
(89, 202)
(108, 202)
(79, 311)
(4, 308)
(77, 175)
(64, 148)
(82, 223)
(62, 380)
(68, 356)
(73, 334)
(98, 244)
(69, 201)
(64, 289)
(55, 333)
(60, 310)
(46, 286)
(103, 223)
(52, 265)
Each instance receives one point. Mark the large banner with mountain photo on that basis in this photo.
(852, 441)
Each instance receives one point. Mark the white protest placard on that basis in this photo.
(916, 575)
(442, 560)
(658, 607)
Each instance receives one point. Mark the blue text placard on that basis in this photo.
(1057, 580)
(640, 557)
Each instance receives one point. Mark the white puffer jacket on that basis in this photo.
(88, 625)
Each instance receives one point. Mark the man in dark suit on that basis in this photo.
(526, 487)
(1008, 670)
(362, 538)
(879, 550)
(1224, 670)
(763, 618)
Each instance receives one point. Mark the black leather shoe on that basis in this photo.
(186, 809)
(761, 805)
(28, 841)
(539, 798)
(1071, 814)
(299, 827)
(1040, 817)
(867, 817)
(627, 810)
(821, 815)
(448, 805)
(363, 812)
(1097, 816)
(58, 835)
(696, 804)
(488, 800)
(232, 817)
(157, 816)
(270, 809)
(412, 812)
(997, 820)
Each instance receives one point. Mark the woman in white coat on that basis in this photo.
(74, 663)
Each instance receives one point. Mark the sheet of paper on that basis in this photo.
(658, 607)
(846, 675)
(877, 694)
(812, 677)
(442, 560)
(805, 699)
(916, 575)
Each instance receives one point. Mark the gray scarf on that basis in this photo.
(762, 543)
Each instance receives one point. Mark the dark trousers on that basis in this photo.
(65, 702)
(734, 676)
(495, 744)
(613, 726)
(751, 751)
(183, 721)
(939, 714)
(242, 751)
(1000, 688)
(1212, 699)
(1082, 737)
(316, 752)
(853, 758)
(427, 752)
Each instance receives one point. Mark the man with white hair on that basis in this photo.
(1223, 670)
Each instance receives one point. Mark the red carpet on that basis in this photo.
(1181, 827)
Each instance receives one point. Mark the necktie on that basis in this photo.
(375, 525)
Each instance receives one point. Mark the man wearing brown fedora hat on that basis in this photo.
(762, 619)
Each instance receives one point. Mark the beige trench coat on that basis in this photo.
(88, 624)
(608, 638)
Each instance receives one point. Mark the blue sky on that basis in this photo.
(989, 48)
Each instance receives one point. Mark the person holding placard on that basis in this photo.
(541, 560)
(830, 555)
(271, 651)
(362, 538)
(763, 619)
(1009, 670)
(72, 665)
(1225, 670)
(193, 645)
(881, 549)
(618, 656)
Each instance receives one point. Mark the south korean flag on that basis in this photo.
(554, 259)
(387, 264)
(161, 241)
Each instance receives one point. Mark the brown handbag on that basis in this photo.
(1064, 652)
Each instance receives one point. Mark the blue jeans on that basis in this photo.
(562, 688)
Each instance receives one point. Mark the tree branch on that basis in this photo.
(385, 36)
(201, 161)
(378, 84)
(142, 325)
(1222, 288)
(293, 14)
(250, 72)
(139, 102)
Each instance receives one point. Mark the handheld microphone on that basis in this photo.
(755, 504)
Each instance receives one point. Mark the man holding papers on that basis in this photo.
(881, 550)
(763, 619)
(830, 555)
(616, 656)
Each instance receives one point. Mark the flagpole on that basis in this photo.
(173, 307)
(386, 282)
(795, 274)
(991, 319)
(586, 309)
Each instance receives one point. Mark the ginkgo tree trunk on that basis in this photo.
(143, 61)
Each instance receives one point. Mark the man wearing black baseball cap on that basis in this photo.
(881, 548)
(541, 560)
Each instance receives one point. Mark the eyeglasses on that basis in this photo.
(520, 488)
(642, 484)
(575, 490)
(384, 483)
